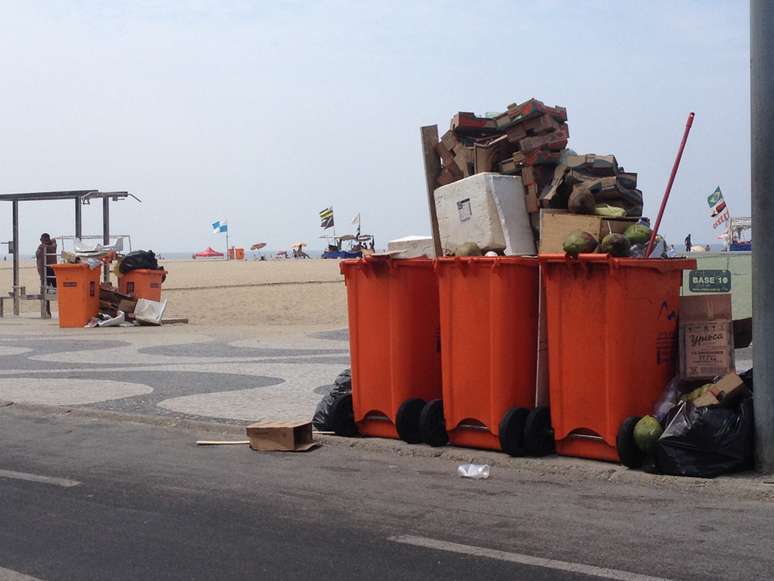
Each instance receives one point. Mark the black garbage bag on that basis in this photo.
(341, 387)
(139, 259)
(747, 377)
(705, 442)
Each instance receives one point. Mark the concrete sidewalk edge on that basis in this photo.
(747, 485)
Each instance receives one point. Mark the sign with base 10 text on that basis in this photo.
(709, 281)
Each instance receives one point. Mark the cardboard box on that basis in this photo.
(706, 399)
(556, 225)
(729, 389)
(281, 436)
(725, 392)
(706, 337)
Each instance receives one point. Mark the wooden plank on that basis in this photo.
(432, 164)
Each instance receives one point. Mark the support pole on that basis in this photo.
(762, 132)
(432, 171)
(16, 298)
(106, 233)
(78, 219)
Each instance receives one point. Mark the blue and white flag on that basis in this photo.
(219, 227)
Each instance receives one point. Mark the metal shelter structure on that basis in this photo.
(79, 198)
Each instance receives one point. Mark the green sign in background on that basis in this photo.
(709, 281)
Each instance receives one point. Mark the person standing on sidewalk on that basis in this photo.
(45, 257)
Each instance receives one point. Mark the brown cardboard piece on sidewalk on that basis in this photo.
(268, 436)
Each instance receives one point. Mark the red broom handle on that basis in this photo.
(664, 200)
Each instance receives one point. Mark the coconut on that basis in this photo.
(468, 249)
(638, 234)
(646, 433)
(579, 242)
(581, 202)
(615, 245)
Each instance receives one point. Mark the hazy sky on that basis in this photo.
(266, 112)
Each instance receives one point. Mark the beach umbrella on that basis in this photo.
(298, 245)
(258, 245)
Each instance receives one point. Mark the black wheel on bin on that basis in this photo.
(512, 431)
(538, 434)
(628, 451)
(432, 425)
(407, 420)
(342, 416)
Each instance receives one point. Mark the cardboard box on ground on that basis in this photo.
(267, 436)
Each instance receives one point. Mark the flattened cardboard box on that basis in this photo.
(706, 337)
(281, 436)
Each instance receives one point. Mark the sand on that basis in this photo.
(222, 293)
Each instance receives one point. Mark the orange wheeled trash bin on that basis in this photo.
(143, 283)
(394, 347)
(489, 327)
(77, 293)
(612, 344)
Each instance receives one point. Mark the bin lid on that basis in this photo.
(69, 266)
(531, 261)
(660, 264)
(372, 261)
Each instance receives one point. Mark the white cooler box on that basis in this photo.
(488, 209)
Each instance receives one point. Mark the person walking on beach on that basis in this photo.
(688, 243)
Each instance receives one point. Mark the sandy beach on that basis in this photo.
(223, 293)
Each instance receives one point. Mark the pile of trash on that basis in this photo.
(122, 310)
(632, 243)
(530, 140)
(117, 309)
(702, 432)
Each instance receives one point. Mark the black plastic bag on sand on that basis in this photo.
(341, 386)
(138, 259)
(705, 442)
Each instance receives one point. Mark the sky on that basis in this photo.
(265, 113)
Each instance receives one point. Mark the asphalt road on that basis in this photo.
(89, 499)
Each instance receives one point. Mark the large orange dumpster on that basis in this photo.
(612, 344)
(142, 283)
(394, 344)
(489, 325)
(77, 293)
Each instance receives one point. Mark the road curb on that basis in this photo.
(158, 421)
(750, 486)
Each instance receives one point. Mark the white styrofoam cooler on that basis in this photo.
(412, 247)
(488, 209)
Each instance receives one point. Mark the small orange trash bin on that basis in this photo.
(612, 344)
(142, 283)
(394, 344)
(77, 293)
(489, 326)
